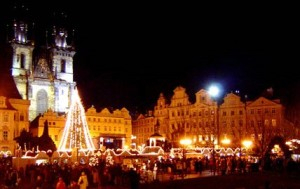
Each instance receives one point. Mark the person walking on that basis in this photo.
(83, 181)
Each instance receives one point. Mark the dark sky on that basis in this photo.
(128, 53)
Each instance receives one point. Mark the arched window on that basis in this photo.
(42, 102)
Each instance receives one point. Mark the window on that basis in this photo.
(258, 111)
(5, 135)
(232, 113)
(232, 123)
(22, 63)
(63, 66)
(21, 117)
(5, 117)
(241, 112)
(273, 111)
(42, 101)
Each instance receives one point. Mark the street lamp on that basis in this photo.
(225, 141)
(247, 144)
(214, 91)
(185, 142)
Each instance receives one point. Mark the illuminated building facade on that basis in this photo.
(43, 75)
(107, 129)
(205, 122)
(142, 128)
(13, 116)
(110, 129)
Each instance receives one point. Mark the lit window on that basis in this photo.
(5, 135)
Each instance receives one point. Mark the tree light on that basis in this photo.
(76, 133)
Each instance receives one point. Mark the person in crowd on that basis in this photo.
(61, 184)
(134, 178)
(39, 182)
(83, 181)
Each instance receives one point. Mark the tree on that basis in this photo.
(25, 140)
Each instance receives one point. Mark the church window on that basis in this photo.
(22, 63)
(63, 66)
(42, 102)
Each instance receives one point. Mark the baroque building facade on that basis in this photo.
(14, 118)
(107, 129)
(208, 123)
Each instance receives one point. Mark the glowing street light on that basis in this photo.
(247, 144)
(185, 142)
(226, 141)
(214, 92)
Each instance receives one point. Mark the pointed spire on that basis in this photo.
(46, 129)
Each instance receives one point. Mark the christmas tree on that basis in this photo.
(76, 133)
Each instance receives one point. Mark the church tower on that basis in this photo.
(22, 57)
(43, 75)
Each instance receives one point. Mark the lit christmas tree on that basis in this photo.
(76, 133)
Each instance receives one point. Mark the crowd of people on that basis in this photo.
(82, 176)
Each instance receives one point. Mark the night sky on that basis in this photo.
(127, 53)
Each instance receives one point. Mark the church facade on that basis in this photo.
(43, 75)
